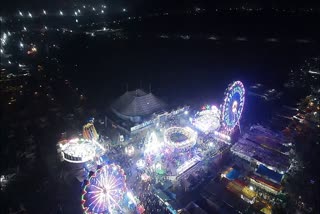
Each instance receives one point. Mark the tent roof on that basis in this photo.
(137, 103)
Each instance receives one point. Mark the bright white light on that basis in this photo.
(9, 62)
(45, 27)
(61, 13)
(34, 49)
(131, 197)
(44, 12)
(234, 106)
(207, 120)
(102, 11)
(152, 144)
(186, 112)
(1, 50)
(4, 39)
(21, 45)
(29, 14)
(94, 9)
(78, 150)
(145, 177)
(24, 28)
(158, 166)
(74, 140)
(124, 10)
(251, 188)
(314, 72)
(75, 13)
(77, 20)
(84, 6)
(79, 11)
(20, 13)
(104, 28)
(141, 164)
(129, 150)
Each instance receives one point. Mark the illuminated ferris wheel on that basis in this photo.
(104, 190)
(232, 106)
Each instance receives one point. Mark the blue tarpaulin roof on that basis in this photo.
(269, 174)
(233, 174)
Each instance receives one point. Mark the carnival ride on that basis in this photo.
(104, 190)
(208, 119)
(89, 132)
(180, 137)
(79, 150)
(232, 106)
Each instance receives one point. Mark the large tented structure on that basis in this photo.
(134, 105)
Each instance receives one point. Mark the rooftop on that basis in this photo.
(137, 103)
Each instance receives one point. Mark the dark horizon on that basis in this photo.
(145, 5)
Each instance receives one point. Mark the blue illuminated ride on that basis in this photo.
(232, 106)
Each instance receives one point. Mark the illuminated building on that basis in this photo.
(263, 146)
(241, 189)
(265, 184)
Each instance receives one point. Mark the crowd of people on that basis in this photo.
(151, 203)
